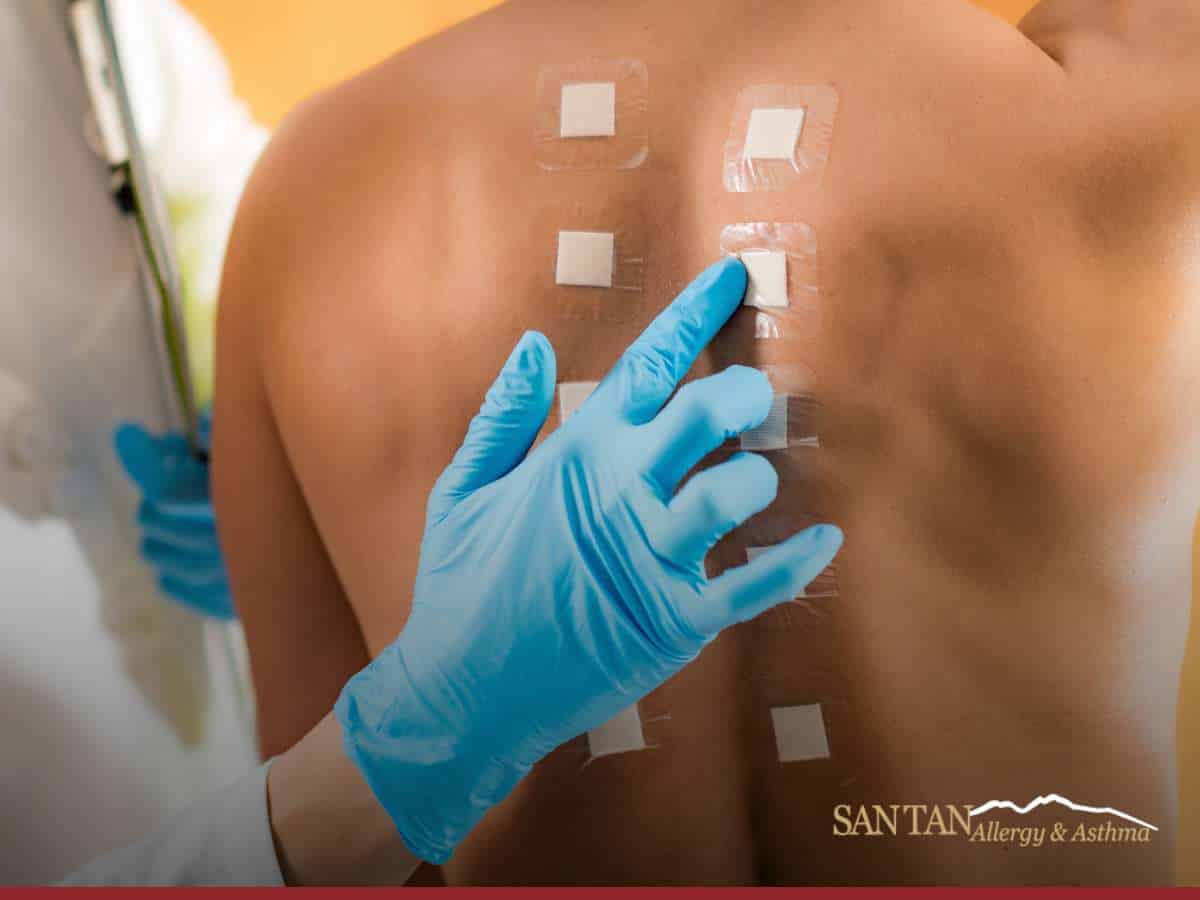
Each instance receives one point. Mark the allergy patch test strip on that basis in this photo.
(773, 133)
(621, 734)
(783, 276)
(767, 278)
(585, 259)
(592, 115)
(772, 434)
(800, 733)
(596, 263)
(572, 395)
(589, 109)
(780, 137)
(823, 587)
(792, 421)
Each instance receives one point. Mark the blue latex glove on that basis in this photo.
(555, 591)
(179, 529)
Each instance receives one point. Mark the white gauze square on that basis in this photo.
(572, 395)
(589, 109)
(753, 553)
(621, 734)
(767, 278)
(772, 434)
(800, 733)
(585, 258)
(773, 133)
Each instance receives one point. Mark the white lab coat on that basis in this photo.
(85, 763)
(223, 840)
(78, 355)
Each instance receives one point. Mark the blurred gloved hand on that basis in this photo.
(179, 530)
(555, 591)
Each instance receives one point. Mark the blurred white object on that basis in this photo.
(75, 350)
(201, 141)
(86, 765)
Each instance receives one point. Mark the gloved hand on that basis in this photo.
(179, 529)
(555, 591)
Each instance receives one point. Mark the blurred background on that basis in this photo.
(283, 50)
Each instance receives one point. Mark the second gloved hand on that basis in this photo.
(554, 591)
(176, 518)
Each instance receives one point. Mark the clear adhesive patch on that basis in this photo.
(783, 284)
(792, 421)
(596, 261)
(780, 137)
(592, 115)
(772, 434)
(793, 514)
(792, 441)
(823, 587)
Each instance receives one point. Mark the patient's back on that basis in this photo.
(997, 373)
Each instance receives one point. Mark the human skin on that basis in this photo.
(1008, 235)
(327, 826)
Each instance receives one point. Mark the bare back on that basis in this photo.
(1002, 382)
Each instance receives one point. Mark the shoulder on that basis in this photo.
(361, 182)
(1131, 70)
(340, 275)
(1121, 122)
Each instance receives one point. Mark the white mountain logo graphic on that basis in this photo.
(1048, 799)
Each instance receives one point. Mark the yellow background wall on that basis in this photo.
(283, 50)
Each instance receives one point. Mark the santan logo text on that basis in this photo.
(948, 820)
(910, 819)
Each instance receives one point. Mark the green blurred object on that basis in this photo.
(194, 246)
